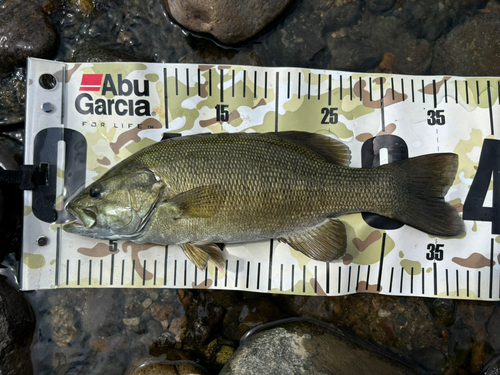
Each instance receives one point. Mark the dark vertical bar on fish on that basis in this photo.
(381, 263)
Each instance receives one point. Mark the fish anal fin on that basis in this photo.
(201, 253)
(324, 242)
(201, 201)
(330, 149)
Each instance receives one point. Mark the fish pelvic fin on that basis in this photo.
(423, 182)
(324, 242)
(201, 201)
(200, 254)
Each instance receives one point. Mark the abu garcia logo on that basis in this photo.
(86, 105)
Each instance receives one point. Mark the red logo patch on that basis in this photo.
(91, 82)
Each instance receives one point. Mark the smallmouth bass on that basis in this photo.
(198, 190)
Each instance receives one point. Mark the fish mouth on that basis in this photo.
(85, 218)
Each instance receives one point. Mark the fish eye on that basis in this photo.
(95, 192)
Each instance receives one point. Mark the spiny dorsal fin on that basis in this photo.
(200, 254)
(325, 242)
(202, 201)
(333, 151)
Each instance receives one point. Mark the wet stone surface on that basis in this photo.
(96, 331)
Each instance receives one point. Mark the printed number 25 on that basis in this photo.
(330, 116)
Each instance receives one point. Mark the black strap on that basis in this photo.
(28, 177)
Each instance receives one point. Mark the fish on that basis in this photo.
(199, 190)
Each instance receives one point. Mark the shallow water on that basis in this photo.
(96, 331)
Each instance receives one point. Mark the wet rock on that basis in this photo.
(294, 42)
(430, 358)
(461, 337)
(26, 32)
(362, 47)
(230, 22)
(493, 329)
(472, 48)
(88, 52)
(203, 315)
(17, 325)
(12, 96)
(246, 315)
(161, 366)
(305, 348)
(340, 15)
(443, 310)
(379, 5)
(63, 325)
(102, 312)
(430, 19)
(492, 367)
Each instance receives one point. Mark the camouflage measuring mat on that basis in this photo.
(84, 118)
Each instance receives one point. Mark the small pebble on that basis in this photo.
(132, 321)
(153, 296)
(224, 354)
(384, 313)
(147, 302)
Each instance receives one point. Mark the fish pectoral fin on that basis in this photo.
(325, 242)
(202, 201)
(200, 254)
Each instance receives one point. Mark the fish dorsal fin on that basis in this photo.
(200, 254)
(325, 242)
(333, 151)
(201, 201)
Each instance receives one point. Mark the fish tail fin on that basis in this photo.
(423, 182)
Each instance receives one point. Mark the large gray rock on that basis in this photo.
(229, 21)
(17, 325)
(471, 49)
(308, 348)
(25, 32)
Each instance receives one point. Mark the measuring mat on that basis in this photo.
(84, 118)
